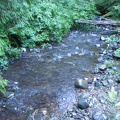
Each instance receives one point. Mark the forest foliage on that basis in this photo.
(27, 23)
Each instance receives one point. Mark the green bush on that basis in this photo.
(109, 8)
(111, 39)
(117, 53)
(3, 84)
(29, 23)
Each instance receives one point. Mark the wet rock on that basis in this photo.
(117, 104)
(114, 68)
(78, 116)
(98, 115)
(102, 100)
(24, 49)
(102, 38)
(12, 108)
(90, 81)
(117, 117)
(8, 95)
(116, 56)
(100, 59)
(97, 84)
(77, 48)
(118, 79)
(102, 67)
(81, 83)
(93, 101)
(104, 52)
(69, 54)
(111, 116)
(12, 86)
(105, 83)
(97, 45)
(82, 102)
(95, 71)
(119, 93)
(110, 81)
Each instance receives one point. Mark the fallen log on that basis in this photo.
(110, 32)
(100, 22)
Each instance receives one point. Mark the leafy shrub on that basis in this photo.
(109, 8)
(3, 84)
(109, 63)
(29, 23)
(117, 52)
(111, 38)
(118, 72)
(7, 50)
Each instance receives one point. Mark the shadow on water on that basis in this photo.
(46, 76)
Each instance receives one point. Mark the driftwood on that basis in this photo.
(100, 22)
(109, 32)
(103, 22)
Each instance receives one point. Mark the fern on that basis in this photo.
(109, 8)
(3, 84)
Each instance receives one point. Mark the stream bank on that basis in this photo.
(41, 82)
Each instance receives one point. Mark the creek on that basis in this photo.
(45, 78)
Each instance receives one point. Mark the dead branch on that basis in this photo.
(110, 32)
(100, 22)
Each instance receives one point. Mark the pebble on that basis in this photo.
(81, 83)
(97, 45)
(90, 81)
(8, 95)
(102, 67)
(97, 84)
(102, 38)
(100, 59)
(82, 102)
(12, 109)
(99, 116)
(69, 54)
(117, 117)
(118, 79)
(119, 93)
(110, 81)
(105, 83)
(24, 49)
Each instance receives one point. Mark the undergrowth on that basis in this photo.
(109, 8)
(29, 23)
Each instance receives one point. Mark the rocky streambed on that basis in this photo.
(73, 80)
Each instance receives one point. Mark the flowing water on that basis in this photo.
(46, 77)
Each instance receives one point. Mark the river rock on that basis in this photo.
(97, 45)
(81, 83)
(98, 115)
(100, 59)
(97, 84)
(105, 83)
(82, 102)
(119, 93)
(102, 38)
(90, 81)
(12, 86)
(23, 49)
(102, 67)
(118, 79)
(117, 117)
(8, 95)
(110, 81)
(12, 109)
